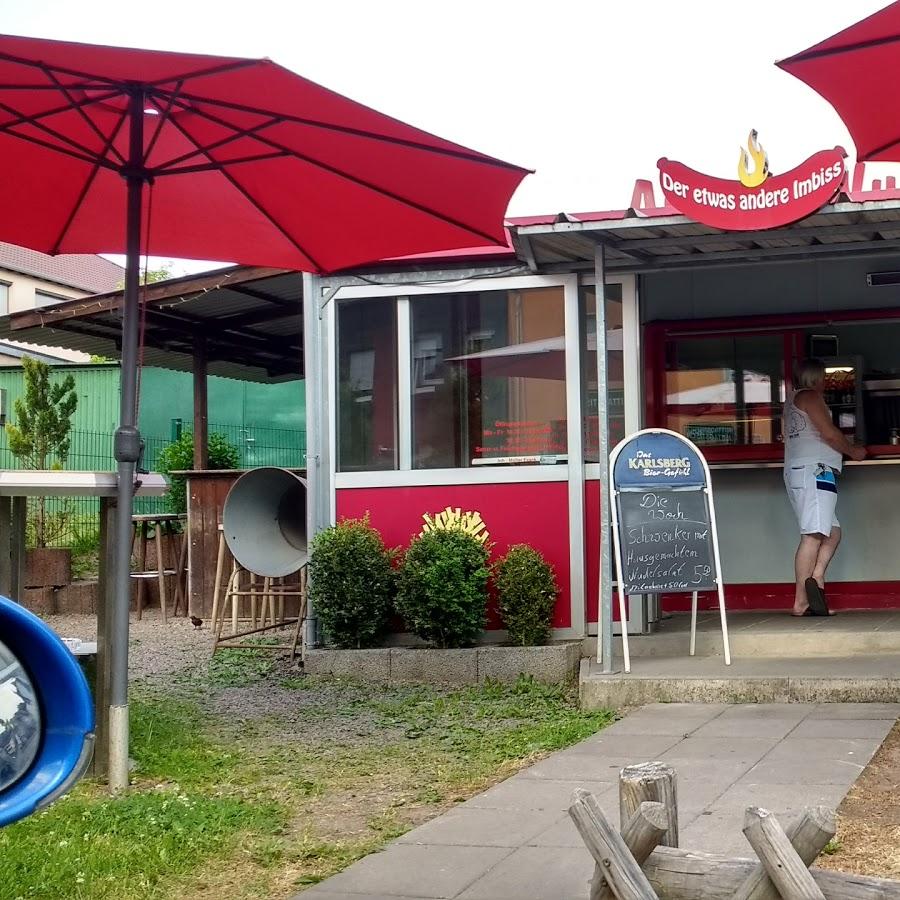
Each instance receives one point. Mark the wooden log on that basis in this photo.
(621, 870)
(785, 869)
(681, 874)
(653, 781)
(808, 835)
(641, 836)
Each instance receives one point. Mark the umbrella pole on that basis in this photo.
(127, 453)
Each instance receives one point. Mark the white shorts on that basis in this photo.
(812, 491)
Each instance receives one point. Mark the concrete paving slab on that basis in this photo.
(841, 728)
(520, 793)
(889, 711)
(677, 719)
(411, 870)
(563, 833)
(717, 750)
(765, 727)
(610, 742)
(855, 750)
(536, 873)
(761, 712)
(473, 827)
(716, 833)
(782, 799)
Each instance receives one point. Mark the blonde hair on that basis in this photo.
(810, 373)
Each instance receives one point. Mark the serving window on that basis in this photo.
(725, 389)
(723, 383)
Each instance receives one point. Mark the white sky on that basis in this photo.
(590, 93)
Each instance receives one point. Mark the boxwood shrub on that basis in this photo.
(352, 583)
(526, 592)
(443, 587)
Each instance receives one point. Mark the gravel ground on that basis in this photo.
(175, 659)
(154, 649)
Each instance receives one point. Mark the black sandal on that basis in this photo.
(815, 596)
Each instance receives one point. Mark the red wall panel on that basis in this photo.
(535, 514)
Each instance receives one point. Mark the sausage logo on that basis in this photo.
(758, 200)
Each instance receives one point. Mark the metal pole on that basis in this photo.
(315, 415)
(127, 452)
(604, 590)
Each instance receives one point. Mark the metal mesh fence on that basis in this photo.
(73, 522)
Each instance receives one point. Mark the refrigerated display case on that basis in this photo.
(844, 395)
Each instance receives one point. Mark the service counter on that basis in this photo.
(758, 533)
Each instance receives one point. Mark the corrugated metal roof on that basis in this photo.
(638, 243)
(251, 318)
(84, 271)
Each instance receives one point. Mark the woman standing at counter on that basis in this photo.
(813, 457)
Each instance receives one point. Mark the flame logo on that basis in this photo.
(760, 172)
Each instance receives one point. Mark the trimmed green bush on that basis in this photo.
(179, 457)
(443, 587)
(526, 591)
(352, 583)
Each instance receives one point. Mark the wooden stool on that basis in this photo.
(171, 556)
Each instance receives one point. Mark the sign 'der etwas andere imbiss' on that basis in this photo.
(758, 200)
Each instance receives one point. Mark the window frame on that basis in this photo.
(402, 293)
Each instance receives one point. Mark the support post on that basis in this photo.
(105, 595)
(641, 834)
(17, 549)
(653, 781)
(620, 869)
(317, 427)
(201, 405)
(784, 867)
(6, 547)
(127, 451)
(808, 835)
(604, 587)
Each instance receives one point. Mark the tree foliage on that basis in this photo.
(179, 457)
(39, 438)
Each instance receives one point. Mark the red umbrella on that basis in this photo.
(223, 158)
(856, 71)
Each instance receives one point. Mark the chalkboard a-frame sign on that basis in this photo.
(664, 524)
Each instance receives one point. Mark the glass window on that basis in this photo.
(725, 389)
(367, 384)
(44, 298)
(4, 298)
(615, 377)
(488, 378)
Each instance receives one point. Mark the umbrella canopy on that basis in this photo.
(245, 162)
(105, 149)
(857, 71)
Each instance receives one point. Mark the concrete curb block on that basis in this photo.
(550, 664)
(614, 691)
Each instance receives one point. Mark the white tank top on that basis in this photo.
(803, 444)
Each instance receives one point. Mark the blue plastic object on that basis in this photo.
(67, 713)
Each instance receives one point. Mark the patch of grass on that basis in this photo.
(494, 722)
(169, 743)
(832, 847)
(238, 668)
(85, 846)
(91, 845)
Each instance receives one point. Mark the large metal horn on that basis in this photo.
(264, 520)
